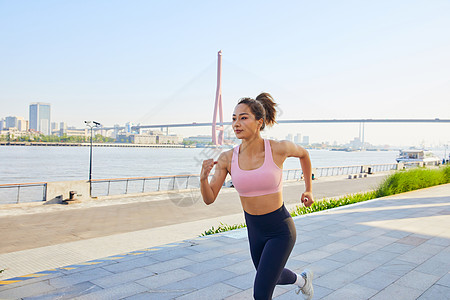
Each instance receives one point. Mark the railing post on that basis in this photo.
(44, 197)
(109, 185)
(159, 184)
(173, 185)
(187, 182)
(143, 186)
(18, 193)
(126, 188)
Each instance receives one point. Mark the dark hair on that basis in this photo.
(263, 107)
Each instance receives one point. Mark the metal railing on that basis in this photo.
(137, 185)
(23, 192)
(346, 170)
(29, 192)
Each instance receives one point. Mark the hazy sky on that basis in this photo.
(154, 62)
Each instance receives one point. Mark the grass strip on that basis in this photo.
(399, 182)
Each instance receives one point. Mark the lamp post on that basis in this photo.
(91, 125)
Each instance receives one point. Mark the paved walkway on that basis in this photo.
(396, 247)
(37, 238)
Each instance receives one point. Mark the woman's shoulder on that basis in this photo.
(282, 143)
(280, 146)
(227, 154)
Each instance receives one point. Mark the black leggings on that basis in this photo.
(271, 237)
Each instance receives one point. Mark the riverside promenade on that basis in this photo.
(395, 247)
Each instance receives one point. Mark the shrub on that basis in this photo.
(413, 179)
(222, 228)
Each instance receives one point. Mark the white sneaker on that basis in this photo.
(307, 290)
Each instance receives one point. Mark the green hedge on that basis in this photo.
(413, 179)
(399, 182)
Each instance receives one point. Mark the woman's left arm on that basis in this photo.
(293, 150)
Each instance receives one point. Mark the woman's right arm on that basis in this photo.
(210, 190)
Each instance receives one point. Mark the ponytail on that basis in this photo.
(263, 107)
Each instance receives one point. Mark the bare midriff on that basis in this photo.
(260, 205)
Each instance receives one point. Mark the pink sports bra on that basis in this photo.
(267, 179)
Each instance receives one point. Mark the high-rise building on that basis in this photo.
(11, 122)
(22, 124)
(289, 137)
(2, 124)
(305, 140)
(298, 138)
(40, 117)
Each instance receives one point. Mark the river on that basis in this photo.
(20, 164)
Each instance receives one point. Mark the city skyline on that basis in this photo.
(351, 142)
(150, 63)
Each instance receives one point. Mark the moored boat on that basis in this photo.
(417, 155)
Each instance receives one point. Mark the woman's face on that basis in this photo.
(244, 123)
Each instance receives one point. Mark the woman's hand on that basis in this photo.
(206, 168)
(307, 199)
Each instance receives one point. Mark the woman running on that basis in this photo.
(256, 172)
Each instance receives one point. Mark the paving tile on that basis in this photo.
(240, 268)
(216, 291)
(157, 295)
(398, 292)
(209, 246)
(164, 278)
(69, 292)
(416, 257)
(346, 256)
(169, 265)
(206, 255)
(355, 240)
(173, 254)
(78, 268)
(439, 241)
(122, 266)
(116, 292)
(32, 280)
(397, 248)
(72, 279)
(311, 256)
(200, 281)
(343, 233)
(296, 265)
(359, 267)
(436, 292)
(28, 290)
(384, 240)
(212, 264)
(367, 247)
(430, 248)
(396, 267)
(435, 266)
(417, 280)
(335, 279)
(323, 266)
(445, 280)
(360, 228)
(244, 295)
(376, 280)
(122, 277)
(335, 247)
(303, 247)
(374, 232)
(381, 256)
(412, 240)
(242, 282)
(351, 291)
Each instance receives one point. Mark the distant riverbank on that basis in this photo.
(60, 144)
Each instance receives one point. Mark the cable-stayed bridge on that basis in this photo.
(195, 124)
